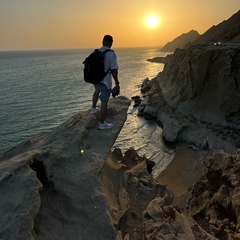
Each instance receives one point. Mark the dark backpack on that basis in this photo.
(94, 69)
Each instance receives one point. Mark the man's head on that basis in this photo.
(107, 41)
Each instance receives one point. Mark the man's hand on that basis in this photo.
(116, 91)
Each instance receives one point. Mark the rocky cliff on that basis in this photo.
(50, 186)
(204, 81)
(197, 97)
(196, 100)
(67, 184)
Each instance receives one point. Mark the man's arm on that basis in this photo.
(114, 73)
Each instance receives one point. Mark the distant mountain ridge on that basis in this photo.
(181, 41)
(226, 31)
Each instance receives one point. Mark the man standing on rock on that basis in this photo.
(104, 88)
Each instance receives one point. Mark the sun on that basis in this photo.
(152, 21)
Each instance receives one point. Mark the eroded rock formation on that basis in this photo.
(142, 208)
(50, 186)
(220, 185)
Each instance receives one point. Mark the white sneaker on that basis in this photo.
(94, 110)
(104, 125)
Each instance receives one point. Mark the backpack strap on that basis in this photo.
(104, 52)
(107, 50)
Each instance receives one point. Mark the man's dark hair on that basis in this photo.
(108, 38)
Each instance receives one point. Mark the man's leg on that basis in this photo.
(104, 96)
(103, 111)
(95, 99)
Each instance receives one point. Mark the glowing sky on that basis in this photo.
(57, 24)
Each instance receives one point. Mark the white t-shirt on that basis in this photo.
(110, 62)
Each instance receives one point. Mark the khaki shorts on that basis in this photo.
(104, 92)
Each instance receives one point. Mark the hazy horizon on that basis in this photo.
(73, 49)
(42, 25)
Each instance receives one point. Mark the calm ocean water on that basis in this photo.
(42, 89)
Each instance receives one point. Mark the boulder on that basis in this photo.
(145, 86)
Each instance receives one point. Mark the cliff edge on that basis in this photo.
(50, 186)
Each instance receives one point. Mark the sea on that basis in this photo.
(41, 89)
